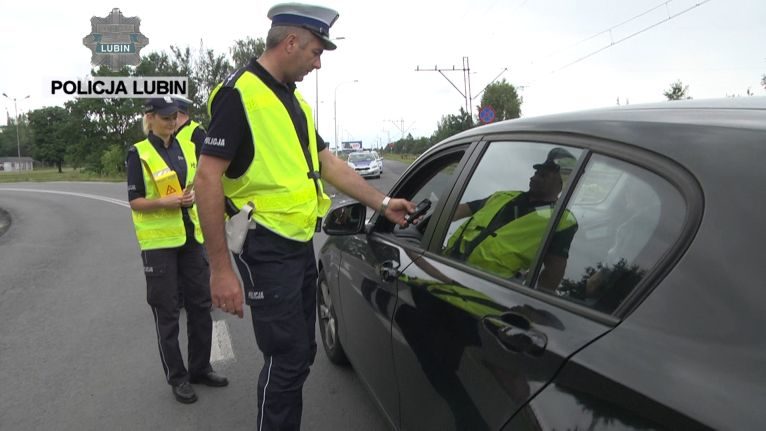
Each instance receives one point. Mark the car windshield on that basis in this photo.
(366, 157)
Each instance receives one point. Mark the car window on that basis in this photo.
(626, 218)
(360, 157)
(430, 181)
(504, 212)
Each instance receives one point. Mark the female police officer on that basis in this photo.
(160, 179)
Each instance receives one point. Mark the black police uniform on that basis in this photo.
(172, 273)
(279, 274)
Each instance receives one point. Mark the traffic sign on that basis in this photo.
(487, 115)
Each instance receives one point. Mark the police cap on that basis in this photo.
(183, 104)
(160, 105)
(316, 19)
(558, 160)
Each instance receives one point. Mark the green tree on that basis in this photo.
(52, 132)
(503, 98)
(245, 49)
(452, 124)
(211, 70)
(8, 140)
(113, 161)
(677, 91)
(99, 131)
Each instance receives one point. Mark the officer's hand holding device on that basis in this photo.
(420, 210)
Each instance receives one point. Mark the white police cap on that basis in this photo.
(316, 19)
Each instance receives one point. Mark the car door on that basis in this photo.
(472, 340)
(632, 221)
(368, 275)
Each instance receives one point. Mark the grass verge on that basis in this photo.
(43, 175)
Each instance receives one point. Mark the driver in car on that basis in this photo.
(504, 230)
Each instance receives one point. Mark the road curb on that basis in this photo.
(5, 221)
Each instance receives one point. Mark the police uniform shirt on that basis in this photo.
(519, 207)
(229, 136)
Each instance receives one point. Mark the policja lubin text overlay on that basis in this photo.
(122, 87)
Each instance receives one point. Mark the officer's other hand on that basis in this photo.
(171, 201)
(226, 292)
(187, 200)
(397, 209)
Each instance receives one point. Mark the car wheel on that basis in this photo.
(328, 323)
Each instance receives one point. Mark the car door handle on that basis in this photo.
(389, 270)
(519, 338)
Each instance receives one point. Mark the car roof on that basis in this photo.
(616, 122)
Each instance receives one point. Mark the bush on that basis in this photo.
(113, 161)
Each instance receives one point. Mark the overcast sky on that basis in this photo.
(715, 48)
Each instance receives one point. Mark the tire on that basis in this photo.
(328, 323)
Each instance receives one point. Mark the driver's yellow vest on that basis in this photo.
(163, 228)
(287, 200)
(512, 247)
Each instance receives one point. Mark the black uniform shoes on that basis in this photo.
(184, 393)
(210, 379)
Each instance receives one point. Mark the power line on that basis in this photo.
(609, 30)
(632, 35)
(466, 69)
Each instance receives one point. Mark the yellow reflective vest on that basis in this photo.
(287, 200)
(510, 248)
(185, 134)
(163, 228)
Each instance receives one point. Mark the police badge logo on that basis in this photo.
(115, 40)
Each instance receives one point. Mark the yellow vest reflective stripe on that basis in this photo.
(286, 200)
(513, 246)
(163, 228)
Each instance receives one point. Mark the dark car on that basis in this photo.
(594, 270)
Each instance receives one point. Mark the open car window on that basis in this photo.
(504, 213)
(432, 180)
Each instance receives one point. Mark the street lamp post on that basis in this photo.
(16, 113)
(335, 109)
(316, 90)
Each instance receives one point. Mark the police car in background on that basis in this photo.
(365, 163)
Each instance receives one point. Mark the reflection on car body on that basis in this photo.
(653, 319)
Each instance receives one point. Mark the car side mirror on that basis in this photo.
(345, 220)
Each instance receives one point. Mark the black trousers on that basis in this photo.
(280, 278)
(172, 273)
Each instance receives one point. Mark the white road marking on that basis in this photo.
(82, 195)
(221, 350)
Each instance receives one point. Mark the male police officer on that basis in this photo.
(186, 128)
(263, 148)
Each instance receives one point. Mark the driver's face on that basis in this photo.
(545, 181)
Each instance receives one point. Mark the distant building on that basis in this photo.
(8, 164)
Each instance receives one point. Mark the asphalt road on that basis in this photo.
(77, 341)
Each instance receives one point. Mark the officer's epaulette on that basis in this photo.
(233, 77)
